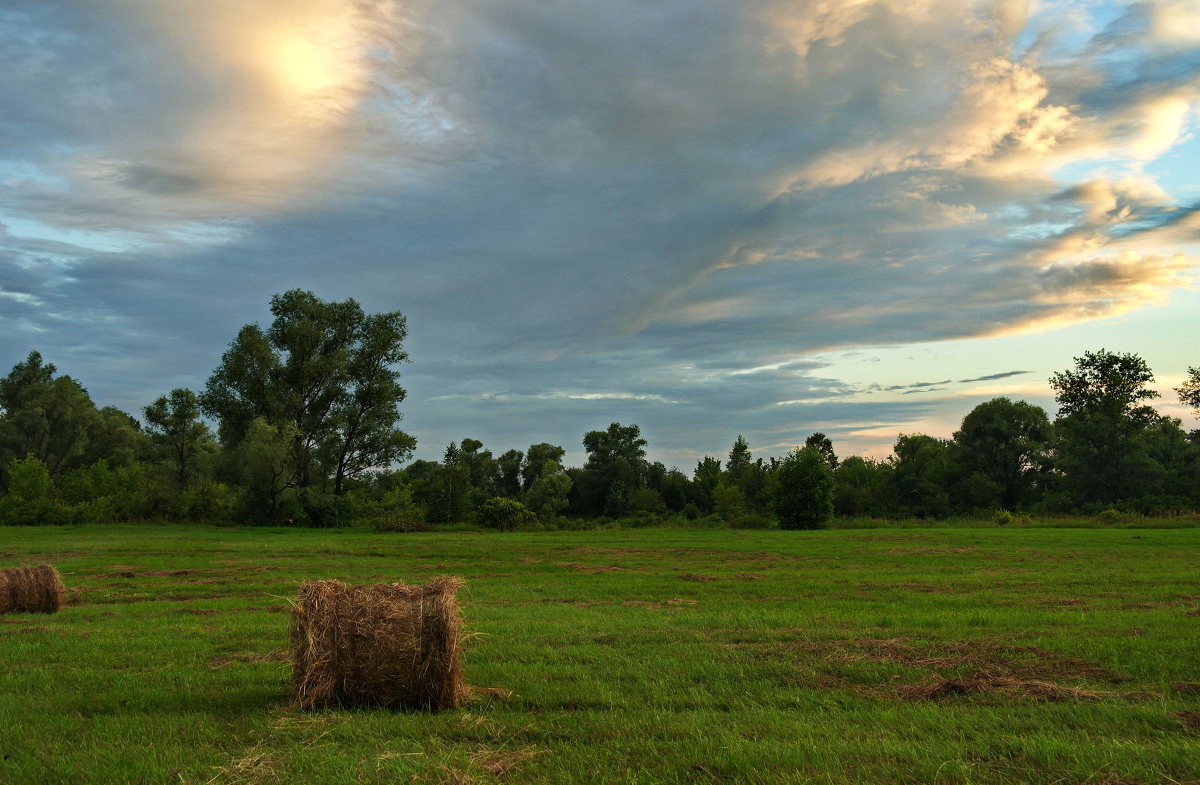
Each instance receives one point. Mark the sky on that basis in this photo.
(708, 218)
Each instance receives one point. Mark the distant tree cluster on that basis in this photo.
(306, 414)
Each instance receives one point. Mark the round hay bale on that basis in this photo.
(30, 590)
(390, 645)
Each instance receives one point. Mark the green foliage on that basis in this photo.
(325, 371)
(30, 500)
(1189, 391)
(1007, 442)
(504, 514)
(54, 420)
(268, 473)
(1113, 517)
(864, 487)
(397, 522)
(616, 466)
(1102, 427)
(1007, 518)
(547, 496)
(752, 520)
(922, 473)
(804, 494)
(822, 444)
(173, 422)
(728, 501)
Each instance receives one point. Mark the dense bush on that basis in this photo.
(504, 514)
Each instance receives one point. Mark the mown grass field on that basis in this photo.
(646, 656)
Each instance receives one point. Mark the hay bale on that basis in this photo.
(30, 590)
(390, 645)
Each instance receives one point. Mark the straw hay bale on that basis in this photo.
(390, 644)
(30, 590)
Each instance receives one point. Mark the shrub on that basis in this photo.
(1111, 517)
(504, 514)
(752, 520)
(397, 521)
(1007, 518)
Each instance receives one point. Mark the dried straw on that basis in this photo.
(391, 645)
(30, 590)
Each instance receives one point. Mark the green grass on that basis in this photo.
(633, 656)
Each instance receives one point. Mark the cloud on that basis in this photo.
(587, 211)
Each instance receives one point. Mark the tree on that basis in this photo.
(28, 499)
(540, 459)
(706, 477)
(268, 470)
(1102, 425)
(327, 370)
(547, 496)
(745, 474)
(51, 418)
(173, 421)
(615, 468)
(821, 443)
(1189, 391)
(451, 488)
(739, 457)
(804, 492)
(922, 471)
(1007, 441)
(509, 468)
(864, 487)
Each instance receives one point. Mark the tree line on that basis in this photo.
(307, 413)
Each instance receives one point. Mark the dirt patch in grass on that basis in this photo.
(593, 569)
(694, 554)
(925, 588)
(974, 667)
(1189, 719)
(999, 658)
(1029, 689)
(147, 573)
(922, 550)
(698, 578)
(1186, 687)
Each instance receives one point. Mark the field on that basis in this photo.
(1054, 656)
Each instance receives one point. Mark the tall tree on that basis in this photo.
(1007, 441)
(51, 418)
(508, 467)
(740, 457)
(1103, 424)
(173, 421)
(327, 370)
(804, 490)
(616, 467)
(822, 444)
(922, 470)
(540, 459)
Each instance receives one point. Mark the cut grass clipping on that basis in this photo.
(389, 644)
(30, 590)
